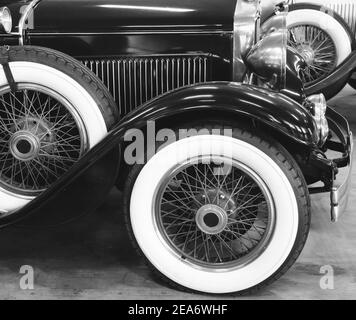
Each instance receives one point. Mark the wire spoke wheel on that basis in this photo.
(214, 217)
(228, 214)
(41, 137)
(317, 48)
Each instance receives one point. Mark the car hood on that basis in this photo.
(121, 15)
(12, 2)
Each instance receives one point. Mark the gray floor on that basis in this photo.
(92, 258)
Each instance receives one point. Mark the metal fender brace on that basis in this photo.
(342, 144)
(4, 61)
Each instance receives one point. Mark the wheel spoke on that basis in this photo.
(318, 49)
(49, 126)
(244, 205)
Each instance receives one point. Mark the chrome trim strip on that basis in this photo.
(23, 21)
(246, 33)
(154, 32)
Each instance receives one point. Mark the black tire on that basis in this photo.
(75, 70)
(352, 81)
(338, 18)
(318, 71)
(69, 113)
(292, 171)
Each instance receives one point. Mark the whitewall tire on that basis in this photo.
(41, 73)
(321, 39)
(284, 234)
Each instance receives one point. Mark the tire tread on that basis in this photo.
(74, 69)
(301, 191)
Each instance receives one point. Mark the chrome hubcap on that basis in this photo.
(211, 219)
(307, 53)
(24, 146)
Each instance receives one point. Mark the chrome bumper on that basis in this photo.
(340, 190)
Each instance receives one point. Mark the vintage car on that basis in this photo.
(200, 116)
(323, 32)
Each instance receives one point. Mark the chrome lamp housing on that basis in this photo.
(264, 51)
(268, 58)
(318, 106)
(269, 61)
(5, 20)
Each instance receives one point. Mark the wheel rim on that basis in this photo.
(317, 48)
(42, 136)
(211, 219)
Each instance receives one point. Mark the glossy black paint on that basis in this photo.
(85, 186)
(124, 38)
(117, 28)
(336, 81)
(80, 191)
(120, 28)
(235, 102)
(294, 87)
(119, 45)
(92, 28)
(352, 80)
(123, 15)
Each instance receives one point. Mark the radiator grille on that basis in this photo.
(347, 10)
(135, 80)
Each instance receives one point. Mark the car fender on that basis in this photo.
(85, 186)
(235, 101)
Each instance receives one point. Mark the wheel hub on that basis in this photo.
(218, 197)
(39, 127)
(307, 52)
(214, 221)
(317, 48)
(211, 219)
(24, 145)
(43, 136)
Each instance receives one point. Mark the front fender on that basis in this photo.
(85, 186)
(80, 191)
(235, 100)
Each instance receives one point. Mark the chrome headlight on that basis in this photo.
(5, 20)
(319, 107)
(268, 58)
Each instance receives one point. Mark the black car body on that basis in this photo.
(142, 51)
(173, 61)
(113, 38)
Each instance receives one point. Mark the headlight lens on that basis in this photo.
(5, 20)
(319, 107)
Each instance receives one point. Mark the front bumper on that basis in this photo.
(342, 143)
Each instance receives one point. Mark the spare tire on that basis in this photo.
(58, 111)
(321, 36)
